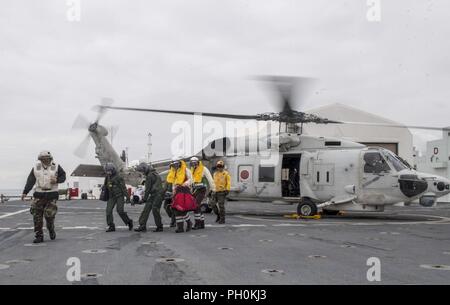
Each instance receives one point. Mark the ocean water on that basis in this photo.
(11, 192)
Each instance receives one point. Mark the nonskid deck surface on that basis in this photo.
(257, 245)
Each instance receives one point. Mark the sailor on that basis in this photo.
(46, 174)
(117, 191)
(180, 175)
(153, 197)
(222, 181)
(200, 175)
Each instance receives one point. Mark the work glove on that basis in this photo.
(23, 197)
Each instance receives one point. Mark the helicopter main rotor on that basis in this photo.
(286, 87)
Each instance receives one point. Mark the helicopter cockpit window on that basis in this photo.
(375, 163)
(394, 160)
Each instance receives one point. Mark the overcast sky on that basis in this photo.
(200, 55)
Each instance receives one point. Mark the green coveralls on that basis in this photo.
(153, 198)
(218, 203)
(117, 191)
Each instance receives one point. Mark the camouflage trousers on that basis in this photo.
(40, 209)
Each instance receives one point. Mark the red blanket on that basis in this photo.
(183, 200)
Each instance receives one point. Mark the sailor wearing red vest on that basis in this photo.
(180, 175)
(201, 175)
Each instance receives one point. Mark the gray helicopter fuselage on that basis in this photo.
(334, 173)
(337, 173)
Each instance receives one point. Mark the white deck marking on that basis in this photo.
(80, 227)
(289, 225)
(247, 225)
(13, 213)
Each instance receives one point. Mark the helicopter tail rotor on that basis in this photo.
(102, 108)
(82, 148)
(81, 122)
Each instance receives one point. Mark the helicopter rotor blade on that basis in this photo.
(103, 108)
(209, 114)
(391, 125)
(292, 91)
(81, 122)
(81, 150)
(112, 130)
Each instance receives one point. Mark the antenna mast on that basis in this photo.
(149, 146)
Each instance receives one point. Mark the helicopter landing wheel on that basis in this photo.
(306, 208)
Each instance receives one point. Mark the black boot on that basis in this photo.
(202, 224)
(111, 229)
(141, 229)
(38, 239)
(217, 218)
(130, 225)
(52, 234)
(180, 227)
(197, 225)
(172, 222)
(158, 229)
(188, 225)
(222, 220)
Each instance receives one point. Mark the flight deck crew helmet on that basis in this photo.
(194, 161)
(144, 167)
(220, 164)
(110, 169)
(175, 162)
(45, 154)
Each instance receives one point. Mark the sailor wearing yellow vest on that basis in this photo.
(200, 173)
(179, 174)
(222, 181)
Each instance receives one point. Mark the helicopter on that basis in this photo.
(317, 173)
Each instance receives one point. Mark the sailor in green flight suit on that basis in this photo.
(117, 191)
(153, 197)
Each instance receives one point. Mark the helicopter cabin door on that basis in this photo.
(290, 175)
(377, 182)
